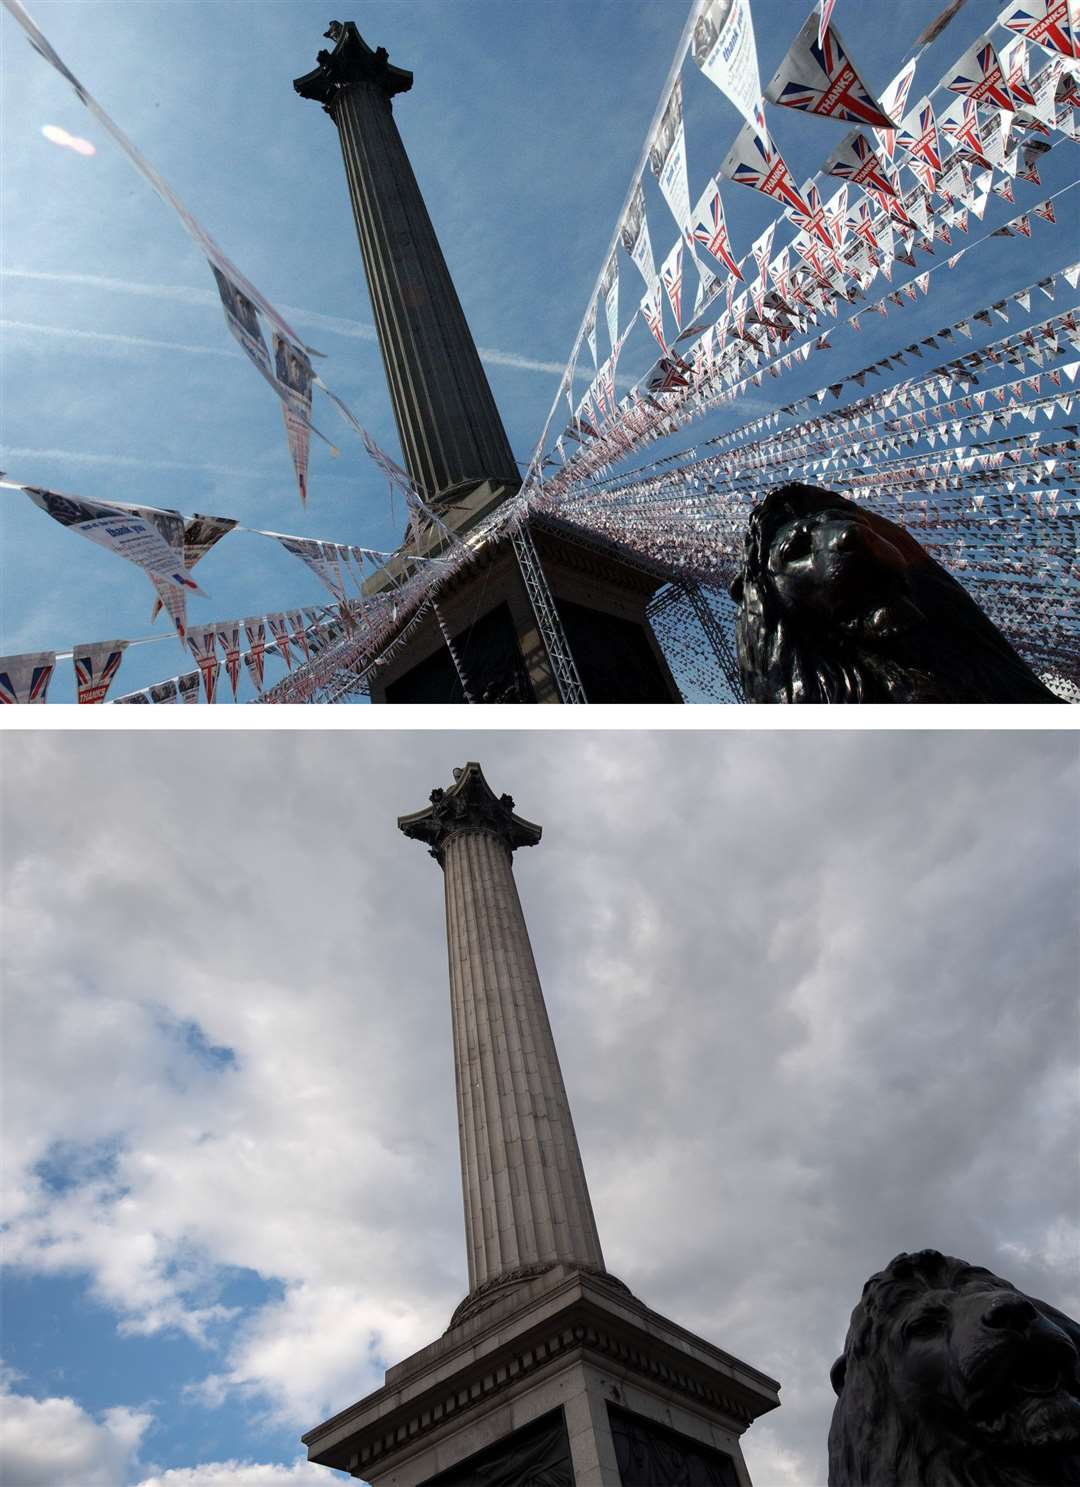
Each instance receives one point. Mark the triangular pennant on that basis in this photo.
(228, 637)
(200, 535)
(295, 375)
(667, 157)
(95, 667)
(200, 641)
(754, 161)
(723, 47)
(1047, 22)
(978, 75)
(255, 630)
(671, 273)
(147, 536)
(820, 79)
(855, 160)
(25, 678)
(634, 234)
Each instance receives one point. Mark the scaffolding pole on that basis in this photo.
(552, 633)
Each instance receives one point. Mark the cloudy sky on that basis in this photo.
(119, 377)
(813, 993)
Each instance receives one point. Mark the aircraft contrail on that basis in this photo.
(129, 461)
(180, 294)
(118, 340)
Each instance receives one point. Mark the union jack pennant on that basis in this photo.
(1014, 64)
(299, 631)
(862, 224)
(95, 667)
(667, 374)
(652, 310)
(671, 273)
(961, 123)
(26, 678)
(818, 78)
(754, 161)
(761, 249)
(201, 643)
(1045, 210)
(279, 625)
(1029, 169)
(228, 637)
(894, 103)
(1047, 22)
(978, 76)
(919, 137)
(811, 217)
(709, 228)
(856, 160)
(255, 630)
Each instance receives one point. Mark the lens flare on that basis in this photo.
(70, 141)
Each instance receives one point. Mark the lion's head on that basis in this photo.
(951, 1376)
(838, 604)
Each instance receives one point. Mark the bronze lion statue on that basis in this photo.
(838, 604)
(950, 1377)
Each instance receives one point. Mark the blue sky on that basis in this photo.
(120, 379)
(231, 1157)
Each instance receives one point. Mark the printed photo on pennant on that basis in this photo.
(723, 47)
(295, 376)
(667, 157)
(634, 234)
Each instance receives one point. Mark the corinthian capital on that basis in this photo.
(469, 804)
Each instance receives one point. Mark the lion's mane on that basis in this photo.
(877, 1439)
(920, 638)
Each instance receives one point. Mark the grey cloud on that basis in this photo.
(813, 995)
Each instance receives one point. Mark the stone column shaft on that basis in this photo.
(450, 429)
(526, 1198)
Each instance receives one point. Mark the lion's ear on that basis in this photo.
(836, 1373)
(736, 589)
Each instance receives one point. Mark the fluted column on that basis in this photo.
(526, 1199)
(450, 429)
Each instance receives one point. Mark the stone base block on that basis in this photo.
(632, 1389)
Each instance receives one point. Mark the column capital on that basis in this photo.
(352, 61)
(469, 804)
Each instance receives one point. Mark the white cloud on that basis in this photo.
(242, 1474)
(127, 461)
(47, 1441)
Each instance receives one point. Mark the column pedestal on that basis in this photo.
(634, 1394)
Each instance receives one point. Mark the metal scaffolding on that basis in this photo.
(547, 616)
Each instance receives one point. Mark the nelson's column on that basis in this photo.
(593, 596)
(550, 1374)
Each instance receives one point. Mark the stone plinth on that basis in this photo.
(601, 596)
(568, 1342)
